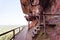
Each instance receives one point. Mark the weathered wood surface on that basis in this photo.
(24, 35)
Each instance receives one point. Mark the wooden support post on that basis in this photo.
(19, 29)
(39, 20)
(44, 23)
(28, 25)
(13, 34)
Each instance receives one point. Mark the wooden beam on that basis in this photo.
(51, 14)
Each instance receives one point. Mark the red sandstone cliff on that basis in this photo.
(36, 7)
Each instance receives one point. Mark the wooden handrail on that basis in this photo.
(51, 14)
(8, 31)
(11, 31)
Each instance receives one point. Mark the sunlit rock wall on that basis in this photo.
(33, 9)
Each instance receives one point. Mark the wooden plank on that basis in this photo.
(24, 35)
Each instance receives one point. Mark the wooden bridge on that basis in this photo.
(23, 34)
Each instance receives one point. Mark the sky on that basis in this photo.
(11, 13)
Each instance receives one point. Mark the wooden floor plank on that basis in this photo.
(23, 35)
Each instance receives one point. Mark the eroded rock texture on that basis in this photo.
(35, 8)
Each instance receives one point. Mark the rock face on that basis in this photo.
(35, 9)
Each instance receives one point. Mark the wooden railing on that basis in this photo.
(13, 30)
(44, 20)
(51, 14)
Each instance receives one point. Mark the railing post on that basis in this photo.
(13, 34)
(28, 25)
(19, 29)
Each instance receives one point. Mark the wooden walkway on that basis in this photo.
(24, 35)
